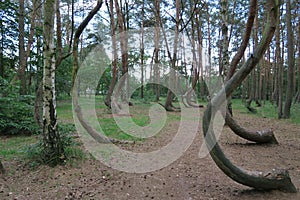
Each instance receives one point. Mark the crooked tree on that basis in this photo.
(275, 179)
(264, 136)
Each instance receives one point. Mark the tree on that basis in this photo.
(24, 54)
(291, 62)
(265, 136)
(108, 98)
(142, 49)
(276, 179)
(168, 103)
(52, 145)
(22, 62)
(2, 170)
(278, 93)
(8, 36)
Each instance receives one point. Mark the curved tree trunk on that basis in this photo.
(77, 35)
(188, 97)
(275, 179)
(2, 170)
(264, 136)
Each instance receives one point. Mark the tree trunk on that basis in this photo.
(142, 51)
(246, 37)
(168, 103)
(276, 179)
(255, 136)
(291, 62)
(98, 137)
(279, 70)
(108, 98)
(297, 99)
(22, 61)
(2, 170)
(124, 53)
(225, 39)
(197, 61)
(264, 136)
(77, 35)
(53, 148)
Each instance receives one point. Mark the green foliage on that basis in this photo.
(9, 25)
(16, 111)
(63, 79)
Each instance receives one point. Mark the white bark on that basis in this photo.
(52, 145)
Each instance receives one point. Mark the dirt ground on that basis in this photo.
(188, 178)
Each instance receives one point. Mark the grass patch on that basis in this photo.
(13, 147)
(267, 110)
(139, 114)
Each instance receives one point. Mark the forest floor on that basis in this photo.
(188, 178)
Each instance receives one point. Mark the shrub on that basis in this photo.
(16, 111)
(72, 150)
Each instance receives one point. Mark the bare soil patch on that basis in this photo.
(187, 178)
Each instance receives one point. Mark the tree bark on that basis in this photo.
(246, 37)
(168, 103)
(142, 51)
(297, 99)
(2, 170)
(77, 35)
(276, 179)
(108, 98)
(99, 138)
(291, 62)
(22, 61)
(264, 136)
(124, 53)
(53, 148)
(279, 75)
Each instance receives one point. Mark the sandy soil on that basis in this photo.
(188, 178)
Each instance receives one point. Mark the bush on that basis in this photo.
(16, 111)
(72, 151)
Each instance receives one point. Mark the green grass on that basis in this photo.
(12, 147)
(267, 110)
(139, 114)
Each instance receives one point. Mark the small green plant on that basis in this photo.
(16, 111)
(72, 151)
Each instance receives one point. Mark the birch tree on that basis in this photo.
(53, 148)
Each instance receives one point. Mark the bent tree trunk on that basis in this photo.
(264, 136)
(2, 170)
(275, 179)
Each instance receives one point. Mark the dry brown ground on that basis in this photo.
(187, 178)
